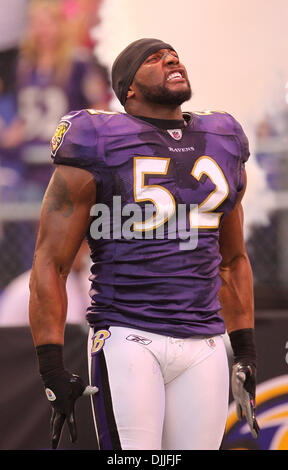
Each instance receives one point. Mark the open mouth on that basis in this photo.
(175, 76)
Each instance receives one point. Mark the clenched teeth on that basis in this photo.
(174, 75)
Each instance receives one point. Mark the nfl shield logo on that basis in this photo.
(175, 133)
(211, 342)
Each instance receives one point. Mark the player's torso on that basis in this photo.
(161, 198)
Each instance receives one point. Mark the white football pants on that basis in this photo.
(158, 392)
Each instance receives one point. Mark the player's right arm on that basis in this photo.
(64, 221)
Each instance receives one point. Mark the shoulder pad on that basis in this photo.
(222, 123)
(75, 139)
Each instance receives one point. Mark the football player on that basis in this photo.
(161, 296)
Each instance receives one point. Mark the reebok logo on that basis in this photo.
(139, 339)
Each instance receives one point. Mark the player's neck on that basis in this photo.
(155, 111)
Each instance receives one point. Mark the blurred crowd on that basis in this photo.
(48, 67)
(271, 154)
(267, 245)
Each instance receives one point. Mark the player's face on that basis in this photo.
(162, 79)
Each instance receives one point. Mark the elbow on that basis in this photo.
(46, 271)
(232, 262)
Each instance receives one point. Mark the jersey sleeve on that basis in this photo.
(244, 152)
(221, 122)
(75, 141)
(242, 138)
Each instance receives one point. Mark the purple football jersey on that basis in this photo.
(156, 267)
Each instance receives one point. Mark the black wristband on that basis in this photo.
(50, 358)
(243, 345)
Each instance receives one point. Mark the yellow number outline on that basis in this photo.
(210, 195)
(225, 190)
(151, 186)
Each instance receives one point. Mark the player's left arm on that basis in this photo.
(236, 294)
(237, 301)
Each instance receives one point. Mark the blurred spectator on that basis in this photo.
(12, 25)
(14, 302)
(52, 79)
(265, 128)
(265, 156)
(271, 151)
(83, 16)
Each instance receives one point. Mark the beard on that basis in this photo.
(160, 94)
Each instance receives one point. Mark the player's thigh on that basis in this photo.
(197, 404)
(129, 407)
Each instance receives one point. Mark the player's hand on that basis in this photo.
(243, 389)
(62, 390)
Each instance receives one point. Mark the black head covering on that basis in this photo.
(128, 62)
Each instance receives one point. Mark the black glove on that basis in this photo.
(244, 376)
(62, 390)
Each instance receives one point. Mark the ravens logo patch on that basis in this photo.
(58, 137)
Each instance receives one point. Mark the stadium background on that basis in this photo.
(236, 55)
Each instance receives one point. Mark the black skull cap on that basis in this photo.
(128, 62)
